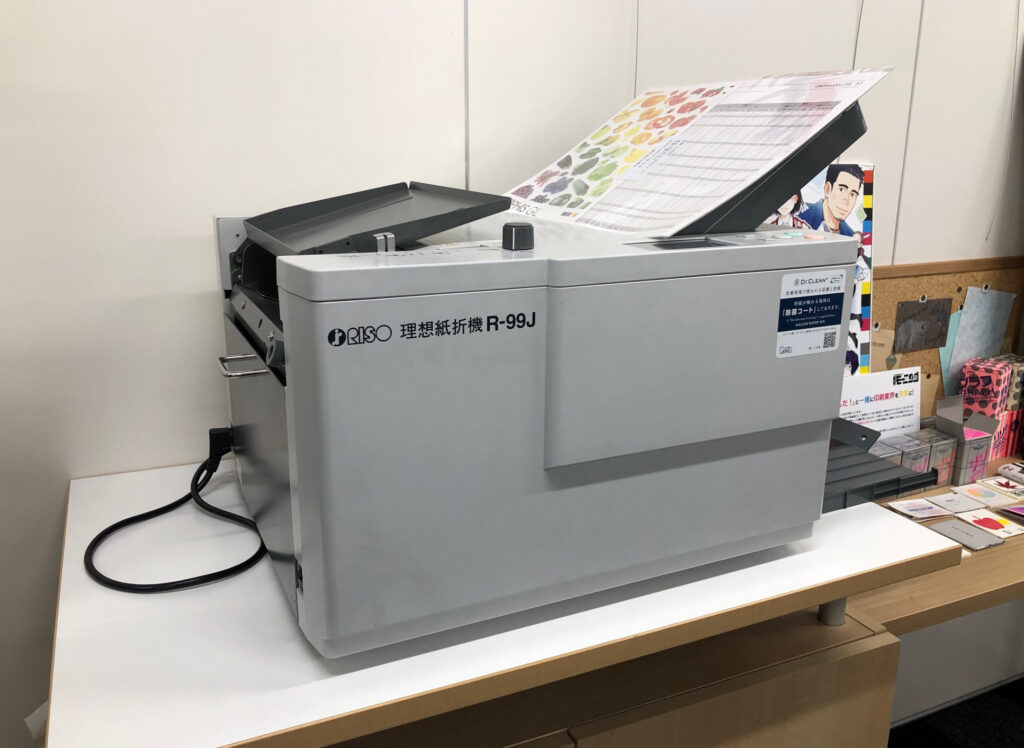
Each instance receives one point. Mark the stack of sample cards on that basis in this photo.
(971, 521)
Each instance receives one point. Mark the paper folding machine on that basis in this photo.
(434, 433)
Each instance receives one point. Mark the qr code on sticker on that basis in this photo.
(830, 340)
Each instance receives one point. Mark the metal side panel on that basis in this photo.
(421, 498)
(258, 421)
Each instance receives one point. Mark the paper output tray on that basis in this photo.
(854, 476)
(751, 207)
(348, 223)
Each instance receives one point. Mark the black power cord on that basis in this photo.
(220, 445)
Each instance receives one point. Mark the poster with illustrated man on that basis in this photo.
(839, 201)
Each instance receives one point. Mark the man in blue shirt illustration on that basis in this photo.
(843, 185)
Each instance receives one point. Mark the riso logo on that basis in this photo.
(359, 335)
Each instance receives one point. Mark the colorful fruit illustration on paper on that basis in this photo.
(613, 148)
(660, 122)
(558, 185)
(586, 166)
(544, 177)
(980, 493)
(606, 169)
(989, 523)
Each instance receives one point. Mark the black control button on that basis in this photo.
(516, 236)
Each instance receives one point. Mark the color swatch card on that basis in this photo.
(993, 523)
(956, 502)
(1014, 511)
(919, 509)
(1007, 486)
(984, 494)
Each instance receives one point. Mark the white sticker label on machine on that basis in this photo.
(811, 312)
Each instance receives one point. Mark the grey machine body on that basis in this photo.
(463, 432)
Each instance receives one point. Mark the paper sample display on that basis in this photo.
(675, 154)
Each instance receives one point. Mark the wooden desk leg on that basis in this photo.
(833, 613)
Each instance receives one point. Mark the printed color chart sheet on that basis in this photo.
(675, 154)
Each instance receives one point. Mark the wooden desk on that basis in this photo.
(982, 580)
(226, 663)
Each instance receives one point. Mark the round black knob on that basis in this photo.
(517, 236)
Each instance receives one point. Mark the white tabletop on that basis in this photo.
(227, 662)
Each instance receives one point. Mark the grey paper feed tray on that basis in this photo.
(347, 223)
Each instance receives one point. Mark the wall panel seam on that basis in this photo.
(906, 137)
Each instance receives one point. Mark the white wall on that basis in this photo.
(541, 76)
(959, 135)
(125, 125)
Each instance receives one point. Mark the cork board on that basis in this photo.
(898, 283)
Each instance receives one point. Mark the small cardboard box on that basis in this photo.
(1006, 440)
(883, 450)
(915, 453)
(974, 438)
(985, 386)
(943, 453)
